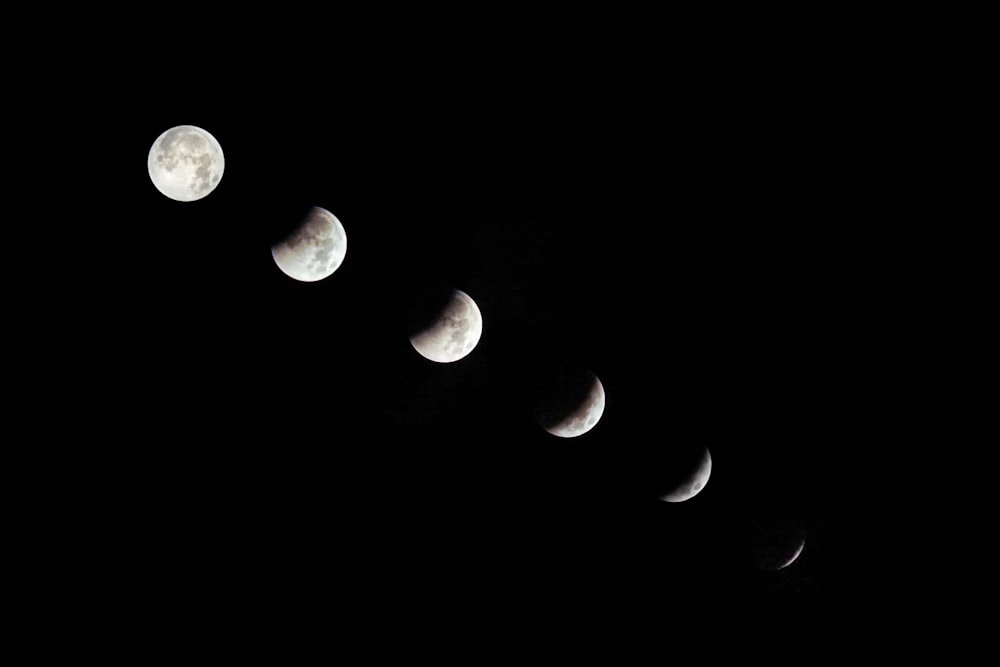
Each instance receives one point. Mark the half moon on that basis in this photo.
(454, 333)
(573, 406)
(315, 249)
(694, 484)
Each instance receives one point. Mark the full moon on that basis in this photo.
(694, 484)
(454, 332)
(315, 249)
(570, 404)
(185, 163)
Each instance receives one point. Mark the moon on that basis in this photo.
(454, 333)
(571, 404)
(792, 557)
(777, 542)
(694, 484)
(186, 163)
(315, 249)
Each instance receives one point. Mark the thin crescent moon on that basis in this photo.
(793, 557)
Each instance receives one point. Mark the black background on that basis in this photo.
(663, 203)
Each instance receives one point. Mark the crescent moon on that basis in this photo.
(694, 485)
(315, 249)
(576, 407)
(454, 333)
(793, 557)
(777, 542)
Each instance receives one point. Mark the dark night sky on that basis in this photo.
(663, 211)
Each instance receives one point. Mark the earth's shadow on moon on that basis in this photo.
(289, 218)
(425, 307)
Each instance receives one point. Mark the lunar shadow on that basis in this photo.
(288, 218)
(424, 306)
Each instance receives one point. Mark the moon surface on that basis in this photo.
(186, 163)
(454, 333)
(694, 484)
(315, 249)
(572, 405)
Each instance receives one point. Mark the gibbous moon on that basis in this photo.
(315, 249)
(186, 163)
(694, 484)
(454, 332)
(570, 404)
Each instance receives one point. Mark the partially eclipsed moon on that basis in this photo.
(694, 484)
(315, 249)
(573, 406)
(185, 163)
(454, 333)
